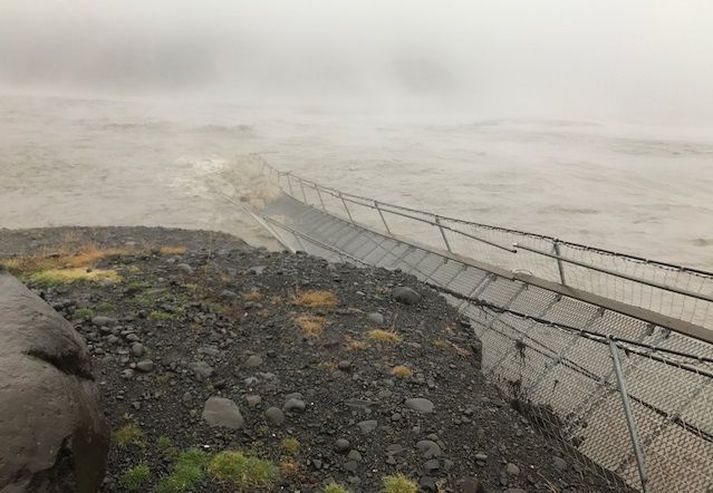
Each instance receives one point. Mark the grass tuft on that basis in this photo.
(334, 488)
(161, 315)
(83, 314)
(315, 299)
(54, 277)
(253, 296)
(242, 471)
(129, 434)
(290, 445)
(63, 259)
(398, 483)
(135, 477)
(187, 471)
(288, 467)
(383, 335)
(311, 325)
(401, 371)
(172, 250)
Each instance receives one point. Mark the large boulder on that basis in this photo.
(53, 435)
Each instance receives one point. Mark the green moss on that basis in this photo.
(161, 315)
(134, 478)
(242, 471)
(187, 471)
(164, 443)
(83, 314)
(290, 445)
(104, 308)
(129, 434)
(398, 483)
(335, 488)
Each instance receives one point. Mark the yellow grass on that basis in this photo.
(315, 299)
(65, 276)
(354, 345)
(383, 335)
(172, 250)
(288, 467)
(85, 256)
(311, 325)
(401, 371)
(443, 344)
(253, 296)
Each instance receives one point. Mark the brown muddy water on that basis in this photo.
(641, 190)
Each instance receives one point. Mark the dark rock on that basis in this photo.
(367, 426)
(420, 405)
(102, 321)
(406, 295)
(219, 411)
(275, 416)
(253, 361)
(52, 428)
(145, 365)
(342, 445)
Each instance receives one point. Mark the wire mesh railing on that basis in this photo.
(674, 291)
(626, 392)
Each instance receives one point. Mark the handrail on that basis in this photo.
(617, 274)
(680, 268)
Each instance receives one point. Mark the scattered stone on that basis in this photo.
(341, 445)
(354, 455)
(253, 361)
(294, 405)
(431, 466)
(219, 411)
(420, 405)
(512, 469)
(253, 400)
(472, 485)
(145, 365)
(127, 374)
(367, 426)
(275, 416)
(137, 349)
(344, 365)
(559, 463)
(185, 268)
(102, 321)
(376, 318)
(406, 295)
(202, 370)
(429, 448)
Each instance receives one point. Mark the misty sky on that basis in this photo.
(639, 60)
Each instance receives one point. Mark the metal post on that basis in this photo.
(289, 184)
(443, 234)
(304, 195)
(560, 265)
(630, 422)
(376, 204)
(346, 208)
(319, 194)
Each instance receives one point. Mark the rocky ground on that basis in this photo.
(202, 342)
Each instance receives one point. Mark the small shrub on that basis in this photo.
(401, 371)
(335, 488)
(129, 434)
(242, 471)
(135, 477)
(83, 314)
(383, 335)
(290, 445)
(105, 307)
(311, 325)
(315, 299)
(398, 483)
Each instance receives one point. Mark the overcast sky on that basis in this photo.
(629, 59)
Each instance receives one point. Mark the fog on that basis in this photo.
(631, 60)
